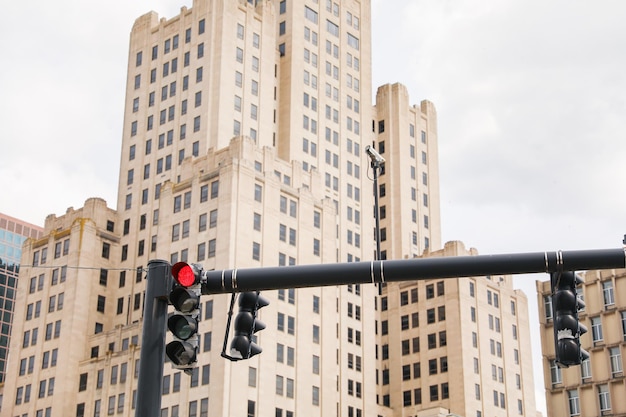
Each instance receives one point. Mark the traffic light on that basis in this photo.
(246, 324)
(183, 323)
(567, 328)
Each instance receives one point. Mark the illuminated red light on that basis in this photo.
(184, 274)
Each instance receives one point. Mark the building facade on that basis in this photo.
(245, 128)
(460, 344)
(596, 387)
(13, 233)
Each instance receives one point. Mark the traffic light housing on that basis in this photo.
(567, 328)
(246, 324)
(183, 323)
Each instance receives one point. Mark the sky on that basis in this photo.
(530, 98)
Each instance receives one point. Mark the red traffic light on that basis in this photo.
(186, 274)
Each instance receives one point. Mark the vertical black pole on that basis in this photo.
(152, 355)
(376, 168)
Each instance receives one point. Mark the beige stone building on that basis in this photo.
(597, 386)
(245, 126)
(461, 344)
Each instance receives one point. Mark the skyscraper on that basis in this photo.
(13, 233)
(245, 127)
(596, 387)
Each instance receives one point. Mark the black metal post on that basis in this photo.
(272, 278)
(376, 161)
(376, 168)
(152, 355)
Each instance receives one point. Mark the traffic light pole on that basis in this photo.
(152, 353)
(159, 284)
(378, 272)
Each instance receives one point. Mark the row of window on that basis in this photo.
(608, 294)
(409, 346)
(414, 397)
(194, 411)
(199, 376)
(34, 309)
(613, 355)
(40, 257)
(164, 139)
(256, 250)
(23, 394)
(604, 400)
(30, 337)
(134, 340)
(49, 359)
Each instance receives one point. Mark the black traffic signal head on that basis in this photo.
(183, 323)
(246, 324)
(567, 328)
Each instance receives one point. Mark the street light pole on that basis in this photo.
(376, 162)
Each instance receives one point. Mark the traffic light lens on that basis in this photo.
(181, 353)
(184, 300)
(183, 330)
(182, 327)
(186, 276)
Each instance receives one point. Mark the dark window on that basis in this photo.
(106, 250)
(82, 382)
(104, 273)
(101, 303)
(430, 291)
(440, 288)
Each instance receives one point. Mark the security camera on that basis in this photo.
(375, 156)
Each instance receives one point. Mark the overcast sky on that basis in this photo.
(531, 102)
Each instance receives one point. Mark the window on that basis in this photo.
(434, 393)
(604, 397)
(353, 41)
(574, 402)
(432, 341)
(256, 251)
(101, 303)
(430, 315)
(309, 14)
(547, 306)
(430, 291)
(596, 329)
(82, 382)
(555, 373)
(607, 290)
(616, 360)
(252, 377)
